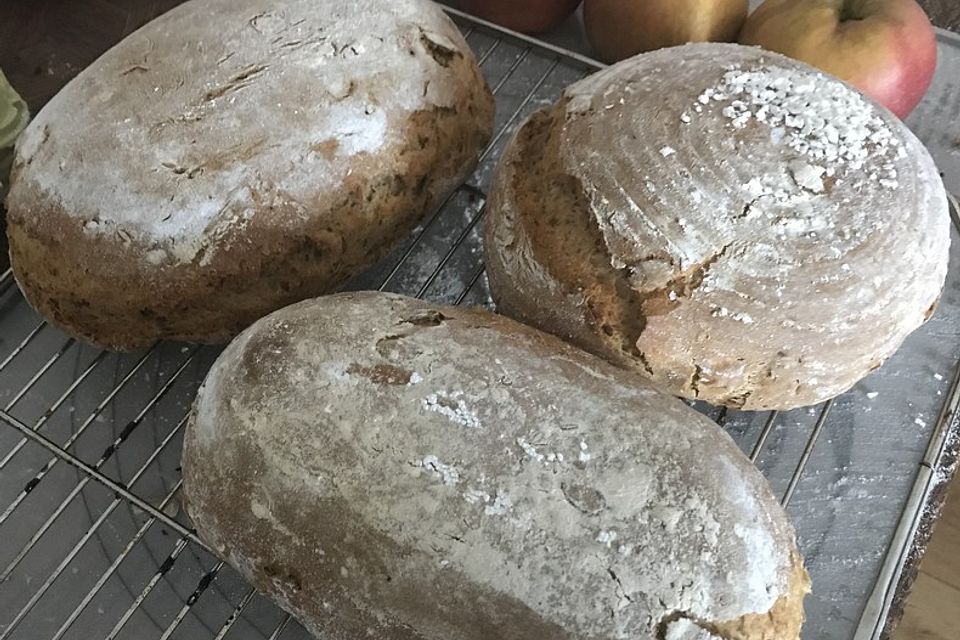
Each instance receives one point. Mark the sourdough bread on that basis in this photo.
(732, 224)
(233, 156)
(386, 467)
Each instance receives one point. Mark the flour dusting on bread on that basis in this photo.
(602, 506)
(234, 156)
(360, 69)
(823, 120)
(791, 239)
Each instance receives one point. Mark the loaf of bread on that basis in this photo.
(234, 156)
(384, 467)
(13, 118)
(733, 224)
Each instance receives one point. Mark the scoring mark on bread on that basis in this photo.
(583, 498)
(441, 53)
(137, 67)
(253, 22)
(387, 345)
(427, 318)
(387, 374)
(233, 155)
(237, 82)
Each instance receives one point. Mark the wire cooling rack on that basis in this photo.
(93, 545)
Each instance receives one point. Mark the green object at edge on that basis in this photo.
(13, 118)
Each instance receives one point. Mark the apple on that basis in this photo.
(618, 29)
(529, 16)
(885, 48)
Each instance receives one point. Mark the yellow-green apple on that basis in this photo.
(885, 48)
(530, 16)
(618, 29)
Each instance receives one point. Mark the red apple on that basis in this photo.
(885, 48)
(529, 16)
(618, 29)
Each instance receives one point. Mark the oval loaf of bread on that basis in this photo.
(733, 224)
(384, 467)
(234, 156)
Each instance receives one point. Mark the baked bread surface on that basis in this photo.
(734, 225)
(384, 466)
(233, 156)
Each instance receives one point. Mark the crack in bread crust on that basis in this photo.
(553, 212)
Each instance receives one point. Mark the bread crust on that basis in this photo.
(234, 156)
(384, 465)
(670, 216)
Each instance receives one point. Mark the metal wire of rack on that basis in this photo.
(95, 547)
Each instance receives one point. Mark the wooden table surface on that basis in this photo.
(932, 611)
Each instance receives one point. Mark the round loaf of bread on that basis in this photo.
(234, 156)
(384, 467)
(733, 224)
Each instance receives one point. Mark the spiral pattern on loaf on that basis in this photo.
(761, 235)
